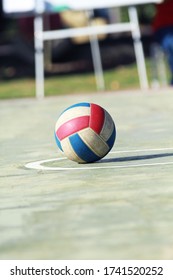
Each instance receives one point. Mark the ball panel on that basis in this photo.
(96, 118)
(94, 142)
(108, 127)
(81, 104)
(111, 140)
(58, 143)
(82, 150)
(72, 126)
(69, 151)
(74, 112)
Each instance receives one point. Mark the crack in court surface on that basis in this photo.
(129, 159)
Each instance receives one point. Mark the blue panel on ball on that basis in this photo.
(111, 139)
(82, 104)
(58, 143)
(82, 150)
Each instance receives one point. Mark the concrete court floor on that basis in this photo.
(118, 208)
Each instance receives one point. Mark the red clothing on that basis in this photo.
(164, 15)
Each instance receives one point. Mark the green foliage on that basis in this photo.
(145, 13)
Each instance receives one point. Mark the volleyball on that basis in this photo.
(85, 132)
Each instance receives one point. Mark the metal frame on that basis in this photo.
(92, 31)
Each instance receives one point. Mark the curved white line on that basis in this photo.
(38, 164)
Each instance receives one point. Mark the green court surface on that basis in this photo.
(118, 208)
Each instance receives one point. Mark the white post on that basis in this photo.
(39, 56)
(140, 59)
(96, 56)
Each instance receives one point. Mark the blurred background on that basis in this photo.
(68, 57)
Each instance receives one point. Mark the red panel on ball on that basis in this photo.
(72, 126)
(96, 118)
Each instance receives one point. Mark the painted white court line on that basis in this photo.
(38, 165)
(143, 150)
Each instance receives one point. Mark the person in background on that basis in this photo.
(163, 30)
